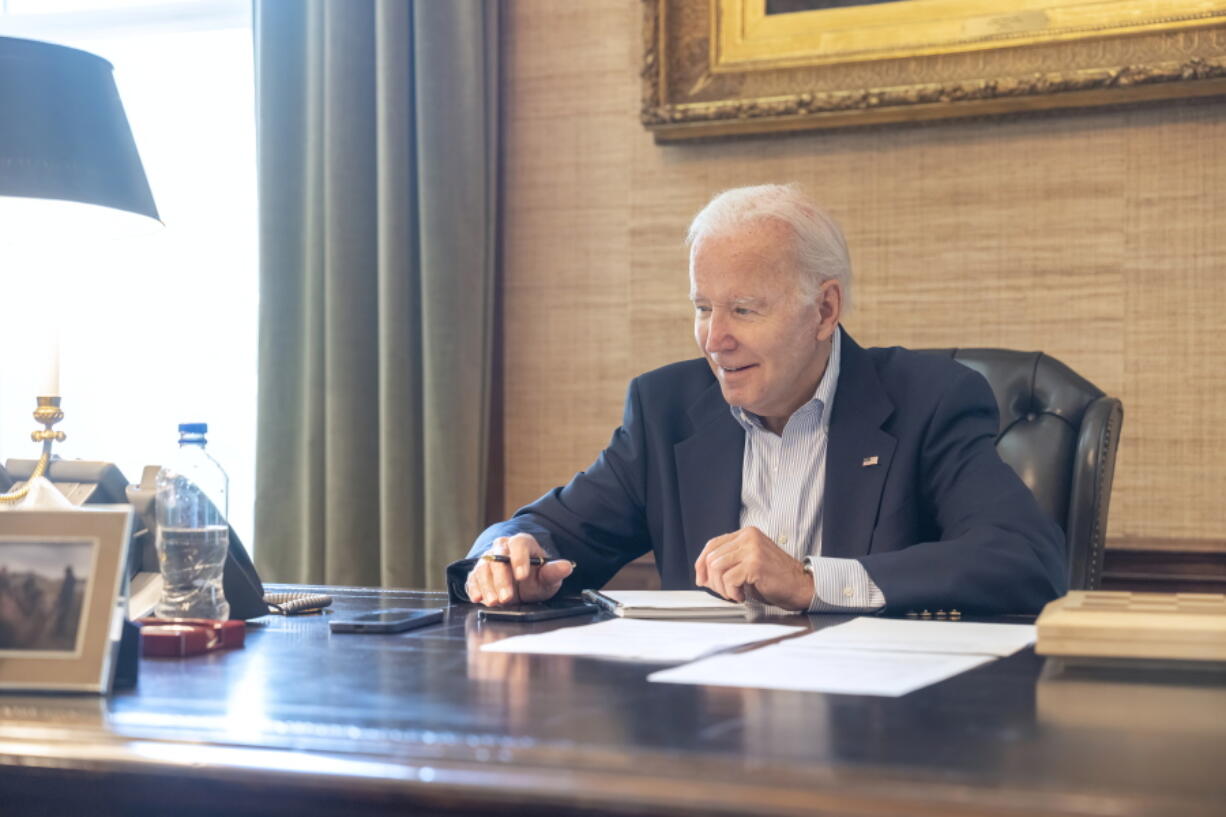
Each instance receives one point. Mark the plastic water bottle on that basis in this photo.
(192, 535)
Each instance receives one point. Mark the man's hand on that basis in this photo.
(496, 584)
(747, 564)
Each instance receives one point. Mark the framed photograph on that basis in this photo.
(721, 67)
(62, 597)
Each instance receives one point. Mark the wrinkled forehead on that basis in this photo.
(756, 260)
(761, 242)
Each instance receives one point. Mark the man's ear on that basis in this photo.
(830, 308)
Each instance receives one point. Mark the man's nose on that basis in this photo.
(719, 335)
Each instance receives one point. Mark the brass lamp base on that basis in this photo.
(48, 414)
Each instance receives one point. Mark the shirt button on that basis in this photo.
(783, 540)
(848, 592)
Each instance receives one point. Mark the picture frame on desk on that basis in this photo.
(726, 67)
(62, 597)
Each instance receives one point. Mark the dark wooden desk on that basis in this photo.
(304, 722)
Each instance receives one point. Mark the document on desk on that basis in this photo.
(906, 635)
(643, 640)
(865, 656)
(665, 604)
(810, 669)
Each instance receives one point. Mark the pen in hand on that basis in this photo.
(535, 561)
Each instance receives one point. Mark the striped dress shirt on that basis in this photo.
(783, 481)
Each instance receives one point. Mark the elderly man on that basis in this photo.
(790, 467)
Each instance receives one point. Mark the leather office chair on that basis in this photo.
(1060, 433)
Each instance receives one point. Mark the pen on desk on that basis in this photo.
(601, 600)
(535, 561)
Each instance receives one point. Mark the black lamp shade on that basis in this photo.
(63, 133)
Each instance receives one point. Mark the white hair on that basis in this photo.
(820, 249)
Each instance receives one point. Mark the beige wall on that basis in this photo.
(1099, 237)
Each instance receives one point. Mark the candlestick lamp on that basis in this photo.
(63, 138)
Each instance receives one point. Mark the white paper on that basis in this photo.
(906, 635)
(143, 594)
(669, 599)
(642, 640)
(805, 669)
(43, 496)
(669, 603)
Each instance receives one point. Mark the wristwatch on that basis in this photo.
(807, 566)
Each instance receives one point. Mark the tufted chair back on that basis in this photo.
(1060, 433)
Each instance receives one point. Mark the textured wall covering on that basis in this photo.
(1099, 237)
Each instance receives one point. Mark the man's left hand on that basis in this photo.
(748, 564)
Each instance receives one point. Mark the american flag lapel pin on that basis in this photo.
(868, 461)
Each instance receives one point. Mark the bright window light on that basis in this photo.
(159, 327)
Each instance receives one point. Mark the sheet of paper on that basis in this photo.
(668, 599)
(907, 635)
(805, 669)
(669, 603)
(642, 639)
(143, 594)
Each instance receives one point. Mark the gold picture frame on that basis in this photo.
(62, 597)
(724, 67)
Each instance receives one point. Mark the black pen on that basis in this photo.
(535, 561)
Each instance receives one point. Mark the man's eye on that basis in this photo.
(701, 308)
(742, 310)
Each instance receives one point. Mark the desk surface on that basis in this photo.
(305, 722)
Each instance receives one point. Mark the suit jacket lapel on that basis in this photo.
(854, 480)
(709, 472)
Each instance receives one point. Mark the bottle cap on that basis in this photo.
(193, 428)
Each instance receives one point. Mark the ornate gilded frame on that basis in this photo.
(721, 67)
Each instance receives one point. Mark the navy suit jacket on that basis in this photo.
(939, 521)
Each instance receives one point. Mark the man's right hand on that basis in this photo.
(497, 584)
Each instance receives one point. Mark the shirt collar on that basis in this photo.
(823, 396)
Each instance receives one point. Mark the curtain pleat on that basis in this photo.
(377, 127)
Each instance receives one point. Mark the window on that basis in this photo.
(158, 328)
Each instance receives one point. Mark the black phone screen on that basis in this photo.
(556, 608)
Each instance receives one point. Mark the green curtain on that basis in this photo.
(377, 129)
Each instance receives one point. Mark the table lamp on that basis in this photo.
(67, 157)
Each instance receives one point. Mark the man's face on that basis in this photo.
(766, 344)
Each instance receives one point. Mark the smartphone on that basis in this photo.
(559, 608)
(387, 621)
